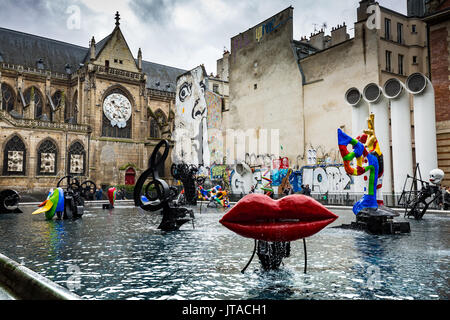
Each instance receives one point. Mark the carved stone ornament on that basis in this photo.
(117, 109)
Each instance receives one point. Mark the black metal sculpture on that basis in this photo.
(157, 195)
(186, 174)
(416, 202)
(75, 194)
(9, 201)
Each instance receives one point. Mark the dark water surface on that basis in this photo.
(119, 254)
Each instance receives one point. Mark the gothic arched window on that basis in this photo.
(47, 158)
(161, 117)
(57, 99)
(8, 97)
(14, 157)
(71, 110)
(76, 159)
(154, 129)
(33, 94)
(117, 118)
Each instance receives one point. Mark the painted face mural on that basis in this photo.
(190, 135)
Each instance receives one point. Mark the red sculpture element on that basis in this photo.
(112, 195)
(293, 217)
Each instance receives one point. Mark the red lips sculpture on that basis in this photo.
(293, 217)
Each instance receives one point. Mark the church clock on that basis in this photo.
(117, 109)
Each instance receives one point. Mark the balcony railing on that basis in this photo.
(29, 70)
(119, 73)
(39, 124)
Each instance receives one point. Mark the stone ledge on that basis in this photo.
(26, 284)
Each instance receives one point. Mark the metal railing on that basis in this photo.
(34, 123)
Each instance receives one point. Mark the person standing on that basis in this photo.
(307, 191)
(99, 194)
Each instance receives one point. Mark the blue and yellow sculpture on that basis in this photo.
(366, 149)
(53, 204)
(371, 214)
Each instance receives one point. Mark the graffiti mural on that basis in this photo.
(191, 133)
(322, 178)
(214, 121)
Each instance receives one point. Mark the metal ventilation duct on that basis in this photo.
(373, 94)
(424, 122)
(395, 90)
(360, 114)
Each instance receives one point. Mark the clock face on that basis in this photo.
(117, 108)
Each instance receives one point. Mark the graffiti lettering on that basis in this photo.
(328, 178)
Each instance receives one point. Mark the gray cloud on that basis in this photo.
(153, 11)
(179, 33)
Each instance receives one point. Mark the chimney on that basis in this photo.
(361, 11)
(339, 34)
(317, 40)
(416, 8)
(140, 59)
(92, 45)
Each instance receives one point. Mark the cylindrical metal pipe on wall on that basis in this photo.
(424, 122)
(373, 94)
(402, 160)
(360, 113)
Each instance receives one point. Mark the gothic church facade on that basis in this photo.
(95, 113)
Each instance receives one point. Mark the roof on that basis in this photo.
(26, 49)
(160, 76)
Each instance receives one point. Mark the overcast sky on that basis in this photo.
(178, 33)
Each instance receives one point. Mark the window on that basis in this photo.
(255, 86)
(388, 60)
(76, 160)
(8, 97)
(108, 130)
(413, 28)
(14, 157)
(115, 61)
(57, 99)
(387, 29)
(400, 64)
(40, 64)
(215, 88)
(121, 61)
(33, 94)
(414, 59)
(71, 110)
(154, 129)
(399, 33)
(47, 158)
(107, 63)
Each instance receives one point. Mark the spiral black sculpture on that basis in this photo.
(186, 174)
(158, 195)
(9, 201)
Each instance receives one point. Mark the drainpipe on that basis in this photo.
(396, 92)
(424, 122)
(373, 94)
(360, 113)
